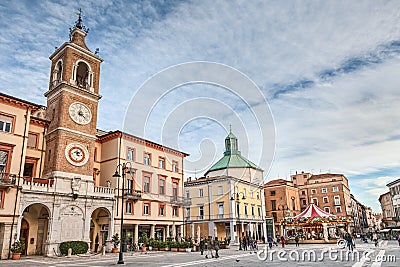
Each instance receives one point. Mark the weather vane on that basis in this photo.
(78, 23)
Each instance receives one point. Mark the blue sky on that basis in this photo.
(328, 71)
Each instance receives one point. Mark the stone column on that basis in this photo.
(233, 236)
(192, 231)
(211, 229)
(181, 230)
(152, 230)
(136, 234)
(167, 230)
(164, 234)
(242, 229)
(173, 230)
(18, 230)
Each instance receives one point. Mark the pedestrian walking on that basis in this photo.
(375, 238)
(349, 241)
(283, 241)
(270, 241)
(201, 246)
(251, 247)
(209, 248)
(297, 239)
(216, 247)
(244, 243)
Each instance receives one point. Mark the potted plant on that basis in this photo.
(174, 246)
(162, 246)
(154, 244)
(115, 240)
(16, 249)
(182, 246)
(145, 240)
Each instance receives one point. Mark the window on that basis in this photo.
(238, 209)
(253, 210)
(128, 207)
(201, 212)
(29, 168)
(2, 194)
(324, 190)
(162, 186)
(161, 163)
(314, 200)
(6, 123)
(49, 155)
(335, 189)
(95, 154)
(244, 192)
(304, 202)
(258, 195)
(259, 211)
(220, 210)
(273, 204)
(174, 166)
(337, 200)
(272, 193)
(146, 208)
(303, 193)
(246, 209)
(313, 191)
(327, 209)
(201, 192)
(275, 216)
(175, 190)
(252, 194)
(161, 211)
(129, 186)
(338, 209)
(325, 199)
(82, 75)
(147, 159)
(220, 191)
(187, 194)
(130, 154)
(187, 215)
(293, 203)
(32, 141)
(3, 160)
(146, 186)
(175, 211)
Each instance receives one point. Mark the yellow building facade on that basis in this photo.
(228, 202)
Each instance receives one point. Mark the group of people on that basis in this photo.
(248, 243)
(209, 244)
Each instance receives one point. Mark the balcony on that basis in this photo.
(7, 180)
(102, 191)
(37, 184)
(180, 201)
(134, 195)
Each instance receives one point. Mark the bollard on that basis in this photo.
(104, 251)
(69, 252)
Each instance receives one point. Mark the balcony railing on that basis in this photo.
(133, 194)
(104, 190)
(37, 184)
(7, 179)
(180, 201)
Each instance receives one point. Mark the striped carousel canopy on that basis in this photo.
(312, 211)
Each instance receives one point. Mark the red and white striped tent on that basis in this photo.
(312, 211)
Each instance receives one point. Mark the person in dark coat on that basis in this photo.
(270, 240)
(297, 239)
(216, 247)
(202, 245)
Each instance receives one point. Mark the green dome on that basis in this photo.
(232, 157)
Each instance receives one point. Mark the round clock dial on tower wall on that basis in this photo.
(80, 113)
(76, 154)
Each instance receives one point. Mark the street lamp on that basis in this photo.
(117, 175)
(237, 199)
(283, 208)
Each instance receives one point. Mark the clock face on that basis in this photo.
(76, 154)
(80, 113)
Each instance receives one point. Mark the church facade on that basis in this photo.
(56, 168)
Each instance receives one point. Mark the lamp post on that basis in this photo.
(117, 175)
(237, 199)
(283, 208)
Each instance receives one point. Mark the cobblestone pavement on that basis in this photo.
(386, 255)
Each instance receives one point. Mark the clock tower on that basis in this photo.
(72, 101)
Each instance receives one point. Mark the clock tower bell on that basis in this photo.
(72, 101)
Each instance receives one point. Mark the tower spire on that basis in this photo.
(78, 33)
